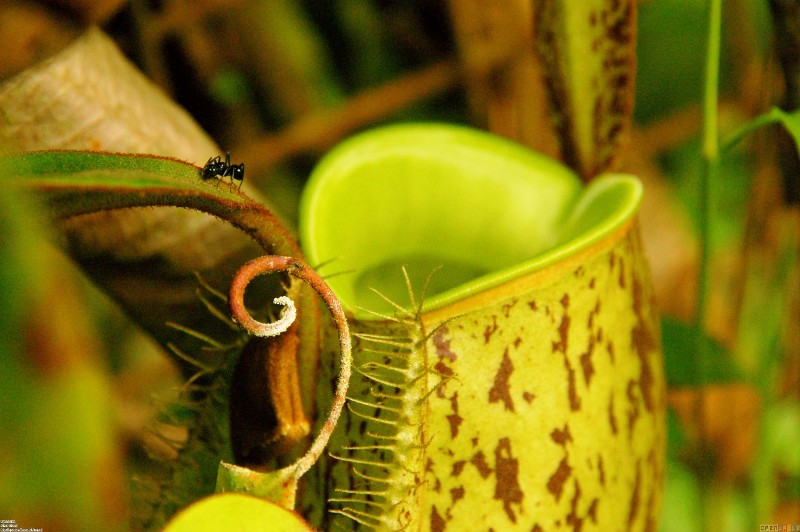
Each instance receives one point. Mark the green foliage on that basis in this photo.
(790, 121)
(678, 344)
(58, 442)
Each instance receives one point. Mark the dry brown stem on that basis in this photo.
(317, 132)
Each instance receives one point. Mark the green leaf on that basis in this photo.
(74, 182)
(790, 121)
(677, 342)
(588, 50)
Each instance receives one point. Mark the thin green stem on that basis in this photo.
(708, 176)
(711, 89)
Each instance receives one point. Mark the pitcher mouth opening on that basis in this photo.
(473, 208)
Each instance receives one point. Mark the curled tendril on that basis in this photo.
(281, 325)
(296, 268)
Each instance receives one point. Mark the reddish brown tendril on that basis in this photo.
(296, 268)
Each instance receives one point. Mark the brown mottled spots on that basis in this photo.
(644, 341)
(622, 283)
(630, 391)
(588, 368)
(537, 528)
(610, 348)
(490, 330)
(572, 517)
(601, 470)
(633, 414)
(612, 419)
(532, 304)
(654, 459)
(507, 474)
(437, 523)
(479, 461)
(563, 328)
(593, 313)
(620, 30)
(454, 419)
(528, 396)
(561, 436)
(634, 508)
(441, 342)
(580, 271)
(517, 342)
(586, 362)
(592, 282)
(556, 483)
(457, 493)
(475, 441)
(619, 81)
(443, 369)
(592, 511)
(650, 524)
(572, 389)
(458, 467)
(507, 308)
(501, 391)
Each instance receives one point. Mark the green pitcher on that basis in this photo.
(508, 363)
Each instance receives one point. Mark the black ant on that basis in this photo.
(213, 168)
(216, 167)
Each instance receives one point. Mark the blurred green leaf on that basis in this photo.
(61, 466)
(781, 437)
(671, 46)
(682, 499)
(790, 121)
(230, 87)
(729, 194)
(676, 435)
(669, 29)
(238, 512)
(677, 341)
